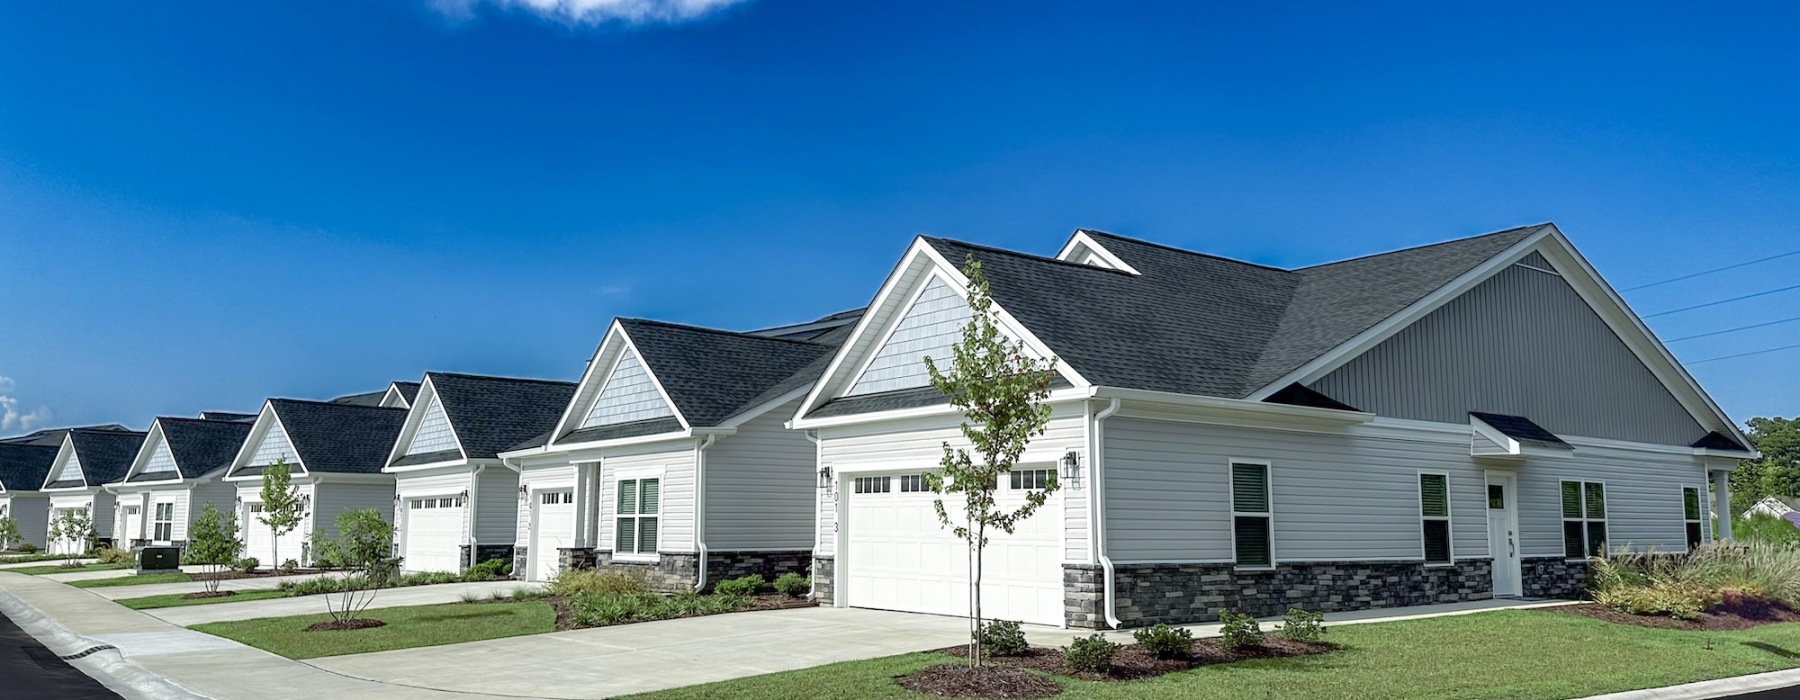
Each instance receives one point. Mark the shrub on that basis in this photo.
(741, 587)
(488, 570)
(427, 578)
(1003, 638)
(1092, 654)
(290, 566)
(793, 585)
(575, 582)
(112, 555)
(312, 586)
(28, 548)
(601, 609)
(1165, 642)
(246, 565)
(1240, 631)
(1303, 625)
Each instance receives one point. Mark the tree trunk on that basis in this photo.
(980, 540)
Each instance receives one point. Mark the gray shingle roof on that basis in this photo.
(636, 428)
(53, 437)
(712, 375)
(408, 390)
(1522, 429)
(492, 414)
(337, 437)
(202, 446)
(24, 467)
(105, 454)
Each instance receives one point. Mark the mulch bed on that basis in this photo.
(259, 573)
(959, 681)
(1133, 662)
(209, 594)
(361, 623)
(1735, 614)
(565, 615)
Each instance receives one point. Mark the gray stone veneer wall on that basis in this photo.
(672, 572)
(1553, 577)
(484, 552)
(521, 558)
(1181, 593)
(824, 571)
(724, 565)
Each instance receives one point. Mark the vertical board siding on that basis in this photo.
(497, 505)
(274, 447)
(628, 395)
(1521, 343)
(1643, 498)
(929, 328)
(434, 433)
(676, 499)
(760, 484)
(906, 443)
(537, 478)
(161, 460)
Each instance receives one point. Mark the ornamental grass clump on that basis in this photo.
(577, 582)
(1684, 586)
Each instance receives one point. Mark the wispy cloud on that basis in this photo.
(592, 12)
(11, 418)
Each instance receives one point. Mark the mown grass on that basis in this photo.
(133, 580)
(57, 569)
(1514, 654)
(407, 627)
(176, 600)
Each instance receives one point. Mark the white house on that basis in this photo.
(175, 475)
(22, 472)
(1451, 422)
(87, 460)
(335, 452)
(671, 457)
(459, 503)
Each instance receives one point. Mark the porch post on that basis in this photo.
(1722, 504)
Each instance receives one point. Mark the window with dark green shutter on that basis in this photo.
(1690, 513)
(640, 501)
(1434, 514)
(1252, 531)
(1584, 519)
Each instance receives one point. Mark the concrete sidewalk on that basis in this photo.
(74, 576)
(314, 604)
(237, 584)
(51, 562)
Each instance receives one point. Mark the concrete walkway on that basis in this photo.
(87, 575)
(52, 562)
(313, 604)
(263, 583)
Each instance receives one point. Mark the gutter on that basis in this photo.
(812, 578)
(472, 514)
(1097, 492)
(700, 505)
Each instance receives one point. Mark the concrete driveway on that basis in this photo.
(313, 604)
(609, 661)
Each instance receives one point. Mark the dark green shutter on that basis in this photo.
(1571, 499)
(1253, 541)
(1437, 541)
(1249, 488)
(1434, 497)
(1596, 501)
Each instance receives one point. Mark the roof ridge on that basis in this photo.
(491, 377)
(720, 331)
(1427, 245)
(1173, 249)
(103, 431)
(1028, 256)
(334, 405)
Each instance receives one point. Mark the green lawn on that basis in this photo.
(175, 600)
(133, 580)
(416, 626)
(55, 569)
(22, 558)
(1517, 654)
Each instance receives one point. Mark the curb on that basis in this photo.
(101, 661)
(1704, 690)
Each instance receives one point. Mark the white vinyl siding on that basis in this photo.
(274, 447)
(161, 461)
(929, 328)
(760, 485)
(434, 433)
(1434, 518)
(628, 395)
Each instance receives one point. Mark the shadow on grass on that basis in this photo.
(467, 615)
(1778, 651)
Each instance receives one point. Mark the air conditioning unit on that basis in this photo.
(156, 559)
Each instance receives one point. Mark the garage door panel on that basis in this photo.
(553, 529)
(434, 534)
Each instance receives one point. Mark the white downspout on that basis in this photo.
(812, 592)
(700, 506)
(1098, 491)
(470, 513)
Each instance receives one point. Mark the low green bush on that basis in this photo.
(601, 609)
(1003, 638)
(113, 555)
(575, 582)
(1303, 625)
(28, 548)
(1239, 631)
(245, 565)
(793, 585)
(1091, 654)
(312, 586)
(1165, 642)
(426, 578)
(742, 586)
(489, 570)
(290, 566)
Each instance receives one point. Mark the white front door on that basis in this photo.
(134, 525)
(900, 557)
(434, 534)
(552, 528)
(1503, 532)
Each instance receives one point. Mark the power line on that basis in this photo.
(1746, 354)
(1733, 330)
(1715, 270)
(1722, 301)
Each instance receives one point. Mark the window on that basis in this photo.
(1434, 514)
(1690, 512)
(1032, 479)
(1496, 496)
(551, 498)
(639, 501)
(1584, 519)
(912, 483)
(165, 523)
(257, 508)
(874, 484)
(1251, 529)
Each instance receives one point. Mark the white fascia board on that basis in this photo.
(1007, 322)
(1374, 335)
(415, 416)
(883, 298)
(1058, 396)
(584, 451)
(339, 478)
(394, 398)
(1081, 241)
(1237, 411)
(462, 462)
(740, 419)
(147, 449)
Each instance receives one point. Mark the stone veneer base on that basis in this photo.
(824, 576)
(1553, 577)
(485, 552)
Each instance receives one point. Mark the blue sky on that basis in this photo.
(206, 204)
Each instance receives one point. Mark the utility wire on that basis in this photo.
(1723, 301)
(1745, 354)
(1733, 330)
(1712, 271)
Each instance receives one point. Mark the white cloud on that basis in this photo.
(11, 418)
(595, 11)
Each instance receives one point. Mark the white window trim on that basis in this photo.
(1448, 517)
(1231, 504)
(1562, 520)
(1700, 493)
(1049, 480)
(612, 496)
(156, 521)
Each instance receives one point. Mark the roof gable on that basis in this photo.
(491, 414)
(338, 438)
(159, 461)
(192, 448)
(432, 433)
(93, 457)
(629, 394)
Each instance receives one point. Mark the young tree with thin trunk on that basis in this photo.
(282, 506)
(213, 542)
(9, 533)
(1000, 389)
(363, 549)
(75, 528)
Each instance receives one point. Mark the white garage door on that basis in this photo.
(901, 558)
(552, 528)
(434, 528)
(259, 541)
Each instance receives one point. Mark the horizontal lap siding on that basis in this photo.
(221, 495)
(1643, 498)
(330, 500)
(760, 485)
(676, 494)
(497, 511)
(31, 515)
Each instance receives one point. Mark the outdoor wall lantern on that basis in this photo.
(825, 478)
(1071, 464)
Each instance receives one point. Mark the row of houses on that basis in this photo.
(1464, 420)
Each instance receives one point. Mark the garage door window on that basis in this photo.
(639, 501)
(874, 484)
(165, 522)
(1032, 479)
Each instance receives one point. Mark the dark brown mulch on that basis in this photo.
(1734, 614)
(565, 616)
(210, 594)
(959, 681)
(1133, 662)
(259, 573)
(361, 623)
